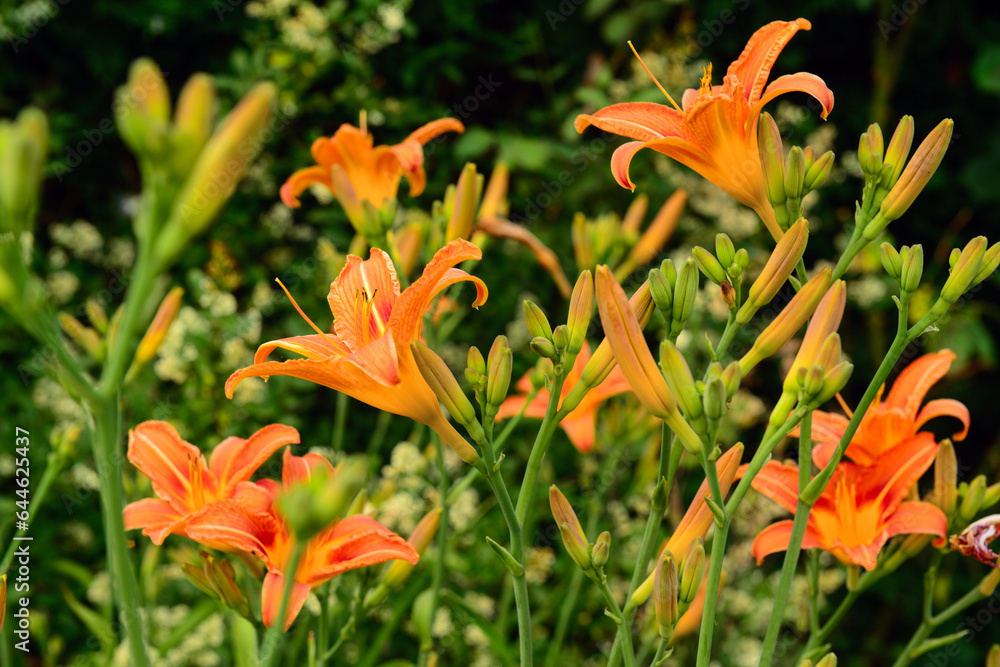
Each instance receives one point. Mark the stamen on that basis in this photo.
(662, 89)
(706, 80)
(843, 405)
(304, 316)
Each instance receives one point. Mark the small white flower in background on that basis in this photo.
(539, 564)
(99, 590)
(62, 286)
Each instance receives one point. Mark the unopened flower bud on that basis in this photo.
(891, 260)
(97, 315)
(601, 550)
(82, 335)
(665, 595)
(731, 379)
(420, 539)
(496, 192)
(157, 331)
(684, 296)
(193, 122)
(915, 176)
(912, 269)
(715, 398)
(221, 576)
(899, 149)
(422, 616)
(142, 109)
(560, 337)
(829, 352)
(965, 270)
(867, 152)
(993, 657)
(772, 159)
(973, 499)
(779, 266)
(818, 172)
(724, 249)
(680, 380)
(991, 260)
(834, 381)
(728, 294)
(795, 173)
(692, 572)
(581, 309)
(742, 257)
(669, 271)
(813, 384)
(499, 378)
(573, 537)
(538, 324)
(709, 265)
(476, 362)
(661, 290)
(543, 347)
(439, 378)
(946, 478)
(24, 148)
(991, 497)
(828, 660)
(463, 213)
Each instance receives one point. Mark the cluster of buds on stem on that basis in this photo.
(724, 268)
(591, 557)
(906, 266)
(676, 585)
(444, 385)
(562, 344)
(789, 180)
(618, 242)
(779, 267)
(674, 293)
(891, 183)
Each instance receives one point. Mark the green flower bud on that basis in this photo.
(680, 380)
(991, 260)
(813, 383)
(423, 618)
(772, 159)
(665, 595)
(731, 379)
(499, 378)
(973, 500)
(439, 378)
(912, 269)
(715, 398)
(828, 660)
(669, 271)
(475, 361)
(692, 572)
(573, 536)
(834, 381)
(899, 149)
(581, 309)
(795, 174)
(818, 172)
(560, 337)
(544, 347)
(538, 324)
(742, 258)
(709, 265)
(601, 550)
(724, 249)
(661, 291)
(891, 260)
(463, 213)
(684, 295)
(965, 270)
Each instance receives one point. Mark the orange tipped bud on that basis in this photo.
(659, 232)
(601, 550)
(444, 385)
(665, 594)
(602, 362)
(419, 539)
(496, 192)
(965, 270)
(680, 380)
(157, 331)
(632, 220)
(573, 537)
(818, 172)
(142, 109)
(899, 149)
(692, 572)
(779, 266)
(772, 159)
(463, 212)
(946, 478)
(991, 260)
(82, 335)
(795, 173)
(788, 322)
(538, 323)
(193, 121)
(581, 310)
(911, 269)
(891, 260)
(915, 176)
(825, 321)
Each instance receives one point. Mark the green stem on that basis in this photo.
(799, 525)
(619, 617)
(549, 423)
(732, 328)
(813, 573)
(661, 648)
(341, 406)
(275, 637)
(715, 569)
(512, 423)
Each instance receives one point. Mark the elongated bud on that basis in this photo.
(991, 260)
(463, 213)
(973, 499)
(899, 149)
(779, 266)
(581, 310)
(829, 353)
(684, 296)
(993, 657)
(915, 176)
(715, 398)
(157, 331)
(439, 378)
(891, 260)
(834, 381)
(142, 109)
(496, 192)
(423, 618)
(724, 249)
(731, 379)
(659, 232)
(692, 572)
(665, 594)
(661, 291)
(991, 497)
(946, 478)
(669, 271)
(24, 147)
(772, 159)
(560, 338)
(818, 172)
(788, 322)
(632, 220)
(825, 321)
(221, 166)
(912, 269)
(499, 378)
(828, 660)
(538, 324)
(812, 385)
(543, 347)
(965, 270)
(97, 315)
(601, 551)
(82, 335)
(680, 380)
(573, 537)
(476, 362)
(708, 265)
(193, 122)
(989, 583)
(221, 577)
(795, 174)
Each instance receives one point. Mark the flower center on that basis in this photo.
(367, 318)
(706, 80)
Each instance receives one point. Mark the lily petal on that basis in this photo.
(753, 67)
(236, 526)
(235, 460)
(802, 82)
(581, 429)
(434, 128)
(775, 538)
(644, 121)
(156, 517)
(945, 407)
(913, 383)
(299, 469)
(360, 541)
(780, 483)
(301, 180)
(362, 298)
(157, 450)
(272, 595)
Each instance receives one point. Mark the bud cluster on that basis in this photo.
(789, 180)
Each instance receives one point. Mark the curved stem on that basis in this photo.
(549, 423)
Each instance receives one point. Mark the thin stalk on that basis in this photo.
(538, 449)
(339, 421)
(715, 568)
(802, 511)
(55, 465)
(619, 617)
(275, 637)
(512, 423)
(661, 648)
(403, 603)
(813, 574)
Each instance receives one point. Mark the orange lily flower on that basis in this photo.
(860, 509)
(250, 523)
(714, 132)
(183, 481)
(580, 424)
(354, 169)
(368, 356)
(899, 417)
